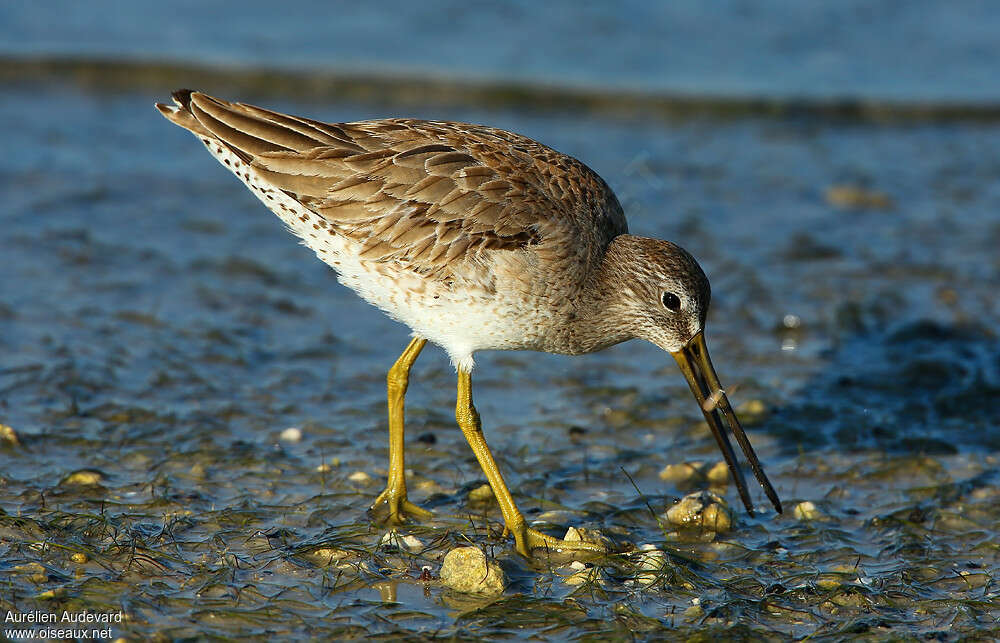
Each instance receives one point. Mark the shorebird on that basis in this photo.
(477, 239)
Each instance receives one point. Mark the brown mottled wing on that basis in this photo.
(421, 192)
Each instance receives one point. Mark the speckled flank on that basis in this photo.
(434, 310)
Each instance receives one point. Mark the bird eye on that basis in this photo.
(671, 302)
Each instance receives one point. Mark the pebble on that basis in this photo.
(323, 556)
(291, 434)
(856, 197)
(696, 472)
(197, 470)
(807, 511)
(406, 542)
(718, 474)
(326, 467)
(555, 517)
(429, 487)
(581, 574)
(584, 535)
(682, 472)
(481, 494)
(651, 562)
(8, 436)
(827, 584)
(753, 411)
(466, 570)
(83, 478)
(701, 509)
(360, 477)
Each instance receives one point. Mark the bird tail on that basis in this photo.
(180, 113)
(249, 131)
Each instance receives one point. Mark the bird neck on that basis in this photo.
(601, 315)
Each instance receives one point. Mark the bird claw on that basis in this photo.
(528, 540)
(398, 508)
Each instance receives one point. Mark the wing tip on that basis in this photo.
(182, 101)
(180, 112)
(182, 98)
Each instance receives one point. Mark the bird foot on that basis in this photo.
(396, 509)
(528, 540)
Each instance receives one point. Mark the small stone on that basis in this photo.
(83, 478)
(8, 436)
(78, 557)
(406, 542)
(28, 568)
(754, 411)
(702, 509)
(616, 418)
(466, 569)
(718, 474)
(428, 487)
(693, 613)
(716, 518)
(580, 574)
(481, 494)
(555, 517)
(650, 562)
(683, 472)
(584, 535)
(326, 467)
(360, 477)
(856, 198)
(807, 511)
(827, 584)
(291, 434)
(757, 407)
(324, 556)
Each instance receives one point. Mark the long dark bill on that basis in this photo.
(696, 365)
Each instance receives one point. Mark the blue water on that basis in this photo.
(159, 326)
(916, 50)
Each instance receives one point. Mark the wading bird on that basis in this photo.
(477, 239)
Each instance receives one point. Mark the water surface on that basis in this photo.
(159, 330)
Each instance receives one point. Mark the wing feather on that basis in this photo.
(420, 192)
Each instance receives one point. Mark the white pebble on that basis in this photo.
(406, 542)
(359, 477)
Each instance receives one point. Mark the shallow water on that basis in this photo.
(915, 50)
(159, 330)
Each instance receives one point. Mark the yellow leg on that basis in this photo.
(394, 496)
(525, 539)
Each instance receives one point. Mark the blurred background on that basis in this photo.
(833, 166)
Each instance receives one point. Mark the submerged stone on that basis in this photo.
(360, 477)
(405, 542)
(481, 494)
(807, 511)
(702, 509)
(584, 535)
(580, 574)
(718, 474)
(651, 562)
(83, 478)
(683, 472)
(8, 436)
